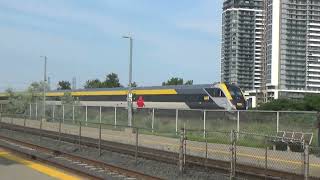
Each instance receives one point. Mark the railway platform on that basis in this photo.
(15, 167)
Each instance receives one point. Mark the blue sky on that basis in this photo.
(82, 39)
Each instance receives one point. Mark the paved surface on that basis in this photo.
(278, 160)
(16, 168)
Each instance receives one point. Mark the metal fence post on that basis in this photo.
(59, 130)
(306, 161)
(184, 144)
(73, 118)
(137, 144)
(238, 121)
(24, 123)
(115, 116)
(86, 114)
(181, 151)
(40, 128)
(204, 123)
(0, 119)
(36, 111)
(233, 155)
(278, 115)
(177, 116)
(63, 113)
(79, 135)
(152, 123)
(100, 115)
(53, 109)
(206, 140)
(100, 137)
(30, 111)
(266, 158)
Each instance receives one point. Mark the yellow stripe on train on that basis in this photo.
(115, 93)
(225, 91)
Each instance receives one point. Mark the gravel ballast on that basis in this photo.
(151, 167)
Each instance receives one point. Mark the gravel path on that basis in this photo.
(155, 168)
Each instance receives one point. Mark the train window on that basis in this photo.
(215, 92)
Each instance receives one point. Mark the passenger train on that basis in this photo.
(210, 96)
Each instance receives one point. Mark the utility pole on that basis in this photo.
(129, 97)
(44, 86)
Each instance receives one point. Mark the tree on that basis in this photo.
(34, 89)
(68, 99)
(134, 84)
(96, 83)
(64, 85)
(173, 81)
(17, 102)
(38, 86)
(112, 80)
(189, 82)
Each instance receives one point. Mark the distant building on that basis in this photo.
(242, 33)
(293, 47)
(283, 61)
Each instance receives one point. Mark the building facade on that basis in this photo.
(284, 58)
(242, 31)
(293, 47)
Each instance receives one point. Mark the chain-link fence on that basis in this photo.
(233, 151)
(241, 150)
(167, 122)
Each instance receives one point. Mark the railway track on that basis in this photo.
(158, 155)
(90, 168)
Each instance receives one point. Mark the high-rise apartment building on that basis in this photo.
(242, 34)
(293, 47)
(282, 61)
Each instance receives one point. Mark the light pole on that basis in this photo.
(44, 86)
(129, 96)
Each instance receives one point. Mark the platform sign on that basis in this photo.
(129, 97)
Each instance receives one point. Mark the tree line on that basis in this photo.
(112, 81)
(19, 102)
(308, 103)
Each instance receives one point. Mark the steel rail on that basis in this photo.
(158, 155)
(89, 161)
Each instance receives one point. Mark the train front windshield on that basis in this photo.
(237, 97)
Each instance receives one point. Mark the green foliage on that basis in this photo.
(111, 81)
(189, 82)
(308, 103)
(173, 81)
(64, 85)
(176, 81)
(134, 84)
(96, 83)
(17, 103)
(38, 87)
(68, 99)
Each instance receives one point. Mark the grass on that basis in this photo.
(223, 122)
